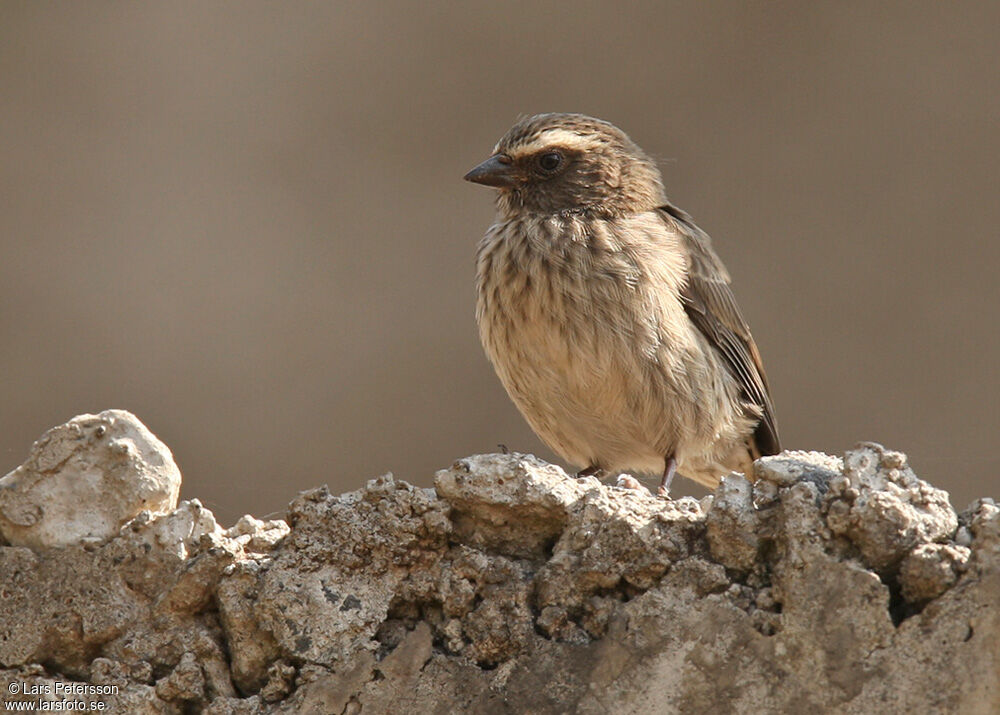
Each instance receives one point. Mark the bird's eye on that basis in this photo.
(550, 161)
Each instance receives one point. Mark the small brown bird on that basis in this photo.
(606, 313)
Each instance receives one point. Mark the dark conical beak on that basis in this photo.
(497, 171)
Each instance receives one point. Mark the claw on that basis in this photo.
(668, 476)
(627, 481)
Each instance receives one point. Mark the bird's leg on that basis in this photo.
(668, 477)
(592, 471)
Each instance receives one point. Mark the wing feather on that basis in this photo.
(710, 304)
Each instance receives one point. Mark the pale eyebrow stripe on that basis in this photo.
(558, 137)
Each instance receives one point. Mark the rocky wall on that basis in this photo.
(827, 584)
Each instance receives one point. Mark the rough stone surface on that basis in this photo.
(83, 480)
(825, 584)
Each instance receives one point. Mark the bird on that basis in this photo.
(607, 314)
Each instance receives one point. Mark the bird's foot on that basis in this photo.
(669, 471)
(627, 481)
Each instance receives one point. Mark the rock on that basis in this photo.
(829, 585)
(325, 592)
(83, 480)
(931, 569)
(510, 503)
(185, 682)
(792, 466)
(886, 510)
(280, 682)
(732, 524)
(142, 602)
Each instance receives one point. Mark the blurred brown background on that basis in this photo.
(246, 222)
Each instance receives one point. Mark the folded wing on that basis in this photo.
(710, 304)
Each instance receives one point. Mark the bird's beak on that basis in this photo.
(497, 171)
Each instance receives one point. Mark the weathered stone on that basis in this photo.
(828, 585)
(931, 569)
(83, 480)
(889, 510)
(731, 523)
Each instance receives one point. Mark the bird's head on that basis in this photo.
(550, 163)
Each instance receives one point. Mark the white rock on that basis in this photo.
(83, 480)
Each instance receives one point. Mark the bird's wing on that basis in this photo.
(710, 304)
